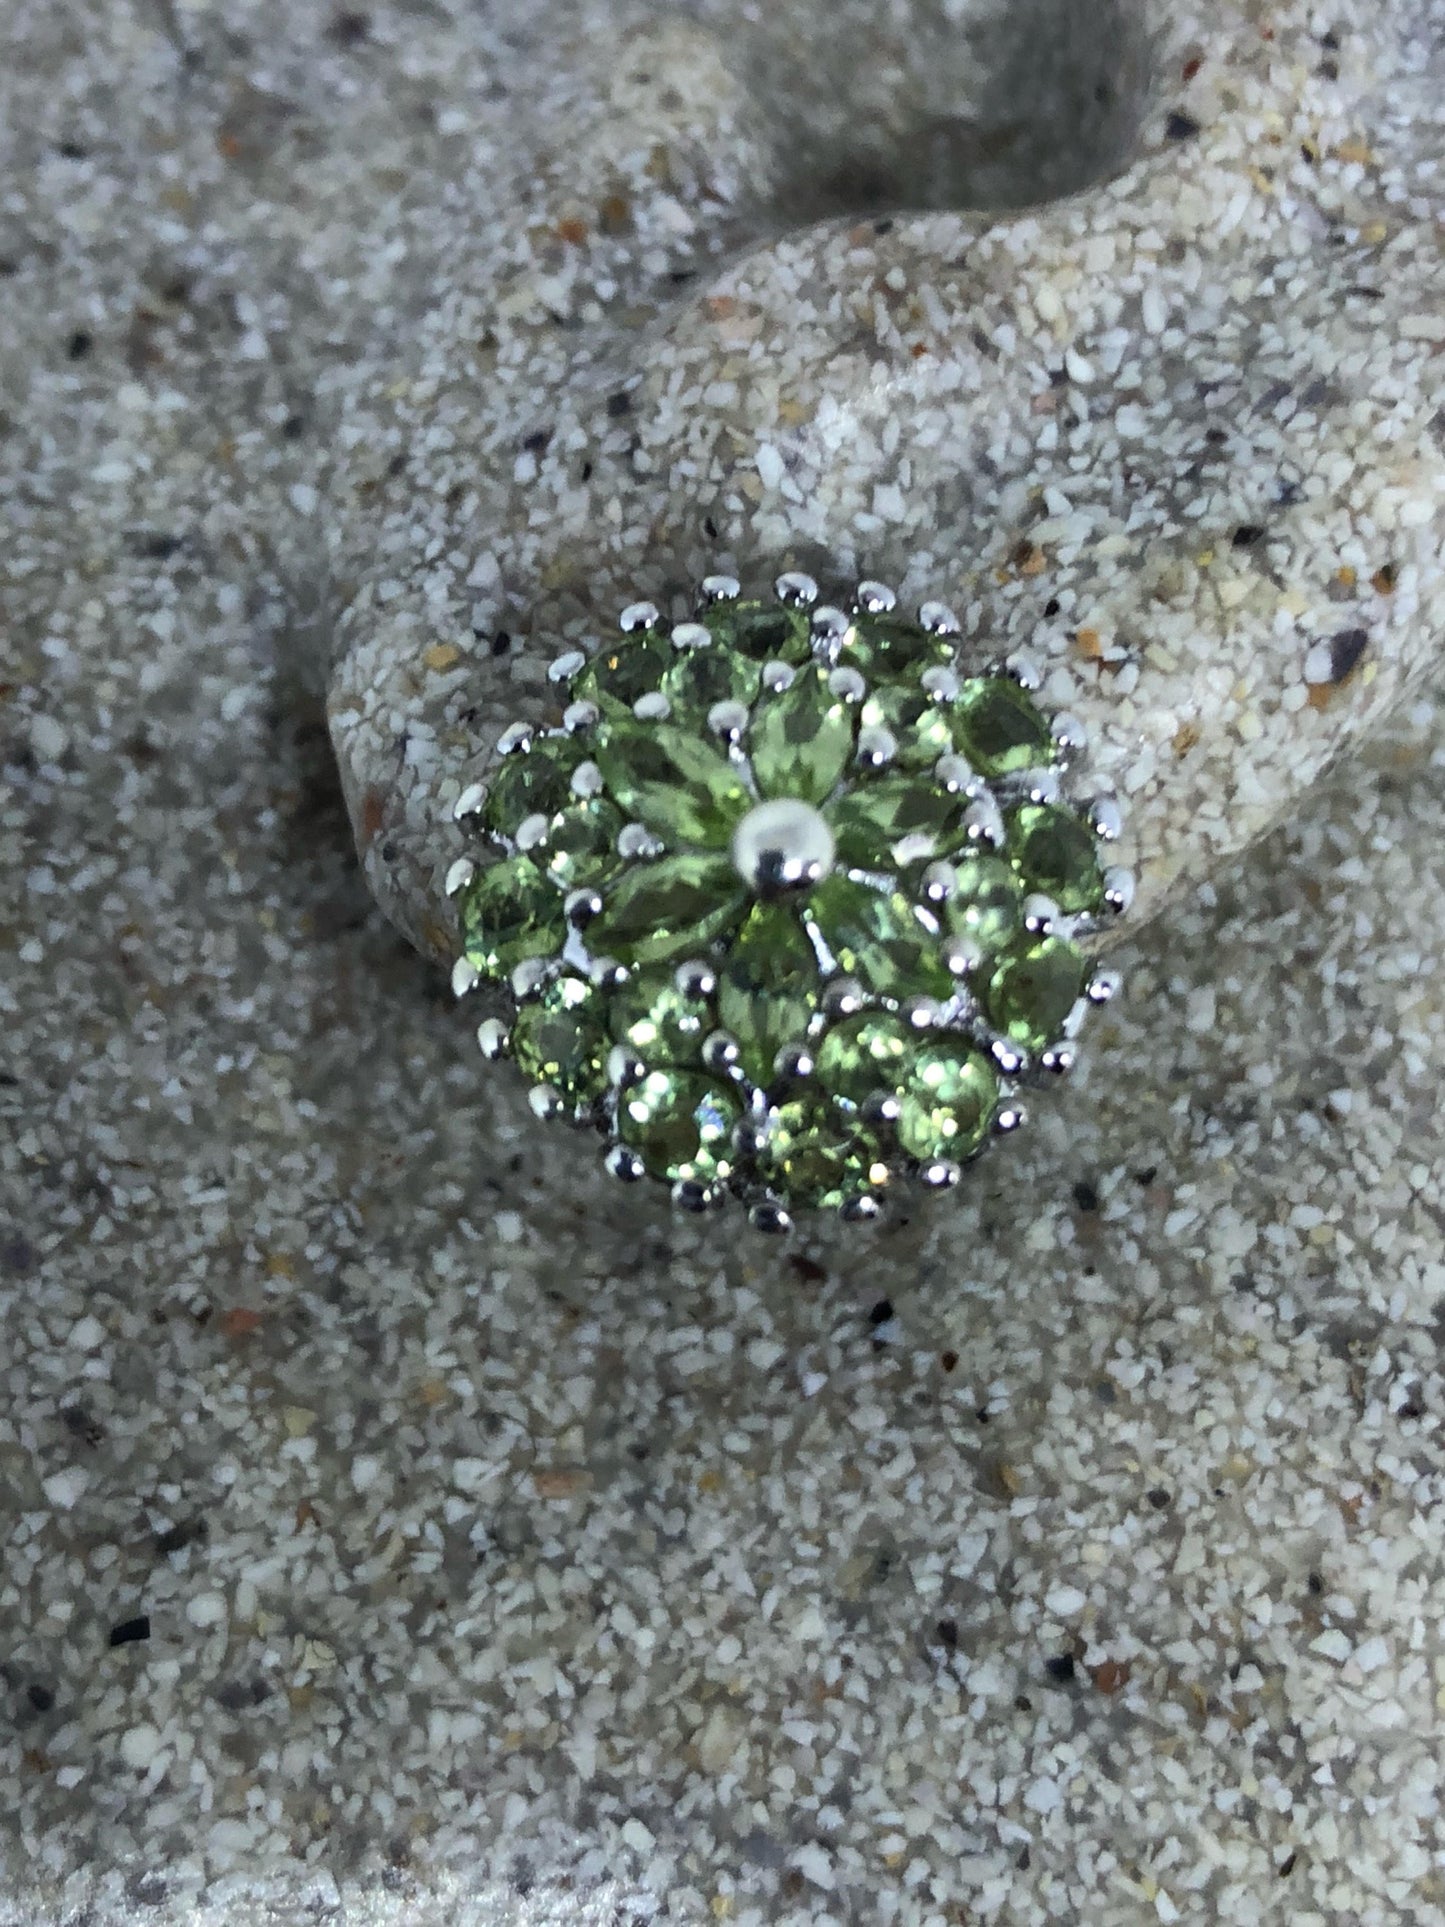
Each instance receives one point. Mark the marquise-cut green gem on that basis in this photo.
(987, 907)
(657, 1020)
(801, 739)
(559, 1040)
(762, 631)
(999, 729)
(672, 781)
(897, 819)
(581, 844)
(880, 938)
(921, 727)
(680, 1125)
(622, 671)
(667, 910)
(531, 782)
(865, 1054)
(891, 646)
(767, 988)
(698, 679)
(509, 913)
(1029, 991)
(1056, 853)
(815, 1154)
(947, 1101)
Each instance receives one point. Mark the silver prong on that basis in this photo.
(1025, 670)
(720, 1052)
(794, 1060)
(652, 707)
(1007, 1055)
(636, 842)
(939, 620)
(1107, 818)
(579, 716)
(864, 1209)
(465, 976)
(847, 684)
(799, 591)
(830, 628)
(492, 1035)
(1118, 890)
(689, 1195)
(1070, 734)
(581, 907)
(638, 615)
(586, 780)
(1058, 1060)
(1011, 1118)
(942, 1174)
(770, 1217)
(1040, 785)
(514, 739)
(728, 720)
(568, 666)
(958, 776)
(923, 1013)
(721, 588)
(983, 821)
(624, 1164)
(624, 1067)
(459, 876)
(941, 682)
(695, 978)
(874, 599)
(940, 881)
(469, 802)
(1103, 986)
(880, 1107)
(843, 997)
(532, 830)
(691, 635)
(1041, 914)
(877, 747)
(961, 958)
(608, 974)
(528, 977)
(546, 1102)
(750, 1135)
(778, 676)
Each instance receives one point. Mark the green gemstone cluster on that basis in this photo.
(784, 903)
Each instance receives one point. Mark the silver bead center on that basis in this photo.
(782, 846)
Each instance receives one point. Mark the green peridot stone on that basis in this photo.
(581, 845)
(880, 938)
(999, 729)
(815, 1154)
(1029, 991)
(509, 913)
(559, 1040)
(1056, 853)
(654, 1018)
(767, 988)
(947, 1101)
(866, 1054)
(884, 646)
(698, 679)
(622, 671)
(892, 820)
(987, 907)
(531, 782)
(761, 631)
(921, 726)
(667, 910)
(673, 781)
(801, 739)
(680, 1125)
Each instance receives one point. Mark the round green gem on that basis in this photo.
(987, 906)
(761, 631)
(669, 909)
(999, 729)
(947, 1101)
(889, 645)
(1030, 990)
(816, 1154)
(801, 739)
(1056, 853)
(509, 913)
(622, 671)
(698, 679)
(919, 724)
(683, 788)
(768, 988)
(866, 1054)
(880, 938)
(559, 1040)
(532, 782)
(657, 1020)
(581, 845)
(680, 1125)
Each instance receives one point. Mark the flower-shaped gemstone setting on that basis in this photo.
(785, 903)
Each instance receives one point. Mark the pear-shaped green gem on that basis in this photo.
(919, 724)
(896, 819)
(865, 1054)
(698, 679)
(1029, 991)
(1056, 853)
(680, 1124)
(661, 1023)
(999, 729)
(801, 739)
(879, 937)
(531, 782)
(987, 905)
(670, 909)
(888, 645)
(947, 1101)
(581, 844)
(761, 631)
(672, 781)
(507, 914)
(815, 1154)
(767, 988)
(559, 1040)
(622, 671)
